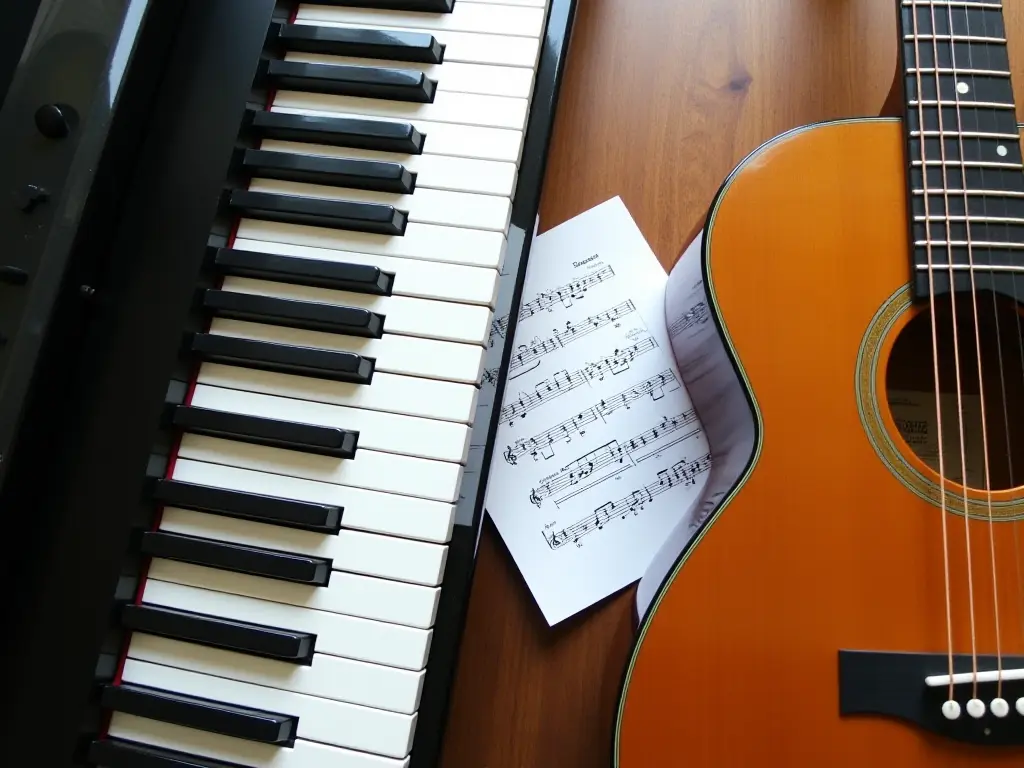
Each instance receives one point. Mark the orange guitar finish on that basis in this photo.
(823, 547)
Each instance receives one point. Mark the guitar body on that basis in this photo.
(833, 539)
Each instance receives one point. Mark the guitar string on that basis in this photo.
(977, 338)
(935, 353)
(956, 345)
(1015, 525)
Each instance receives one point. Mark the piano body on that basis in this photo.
(250, 256)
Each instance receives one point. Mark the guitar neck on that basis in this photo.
(965, 182)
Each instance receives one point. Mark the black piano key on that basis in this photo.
(354, 132)
(294, 313)
(425, 6)
(239, 558)
(375, 175)
(122, 753)
(348, 80)
(361, 43)
(339, 275)
(291, 435)
(217, 632)
(378, 218)
(307, 515)
(283, 358)
(202, 714)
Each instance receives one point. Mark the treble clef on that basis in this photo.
(534, 498)
(510, 455)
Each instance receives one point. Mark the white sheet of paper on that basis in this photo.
(718, 399)
(599, 453)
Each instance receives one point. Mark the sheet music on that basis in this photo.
(718, 399)
(599, 452)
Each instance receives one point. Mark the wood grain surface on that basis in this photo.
(660, 100)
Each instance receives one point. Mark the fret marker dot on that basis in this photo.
(963, 87)
(1002, 151)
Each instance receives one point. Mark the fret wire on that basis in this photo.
(949, 3)
(961, 192)
(966, 164)
(968, 134)
(972, 243)
(955, 38)
(972, 219)
(971, 104)
(968, 267)
(958, 71)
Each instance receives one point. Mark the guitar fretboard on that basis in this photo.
(965, 176)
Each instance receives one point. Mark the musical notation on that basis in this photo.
(697, 315)
(541, 445)
(588, 470)
(683, 472)
(528, 353)
(563, 382)
(545, 300)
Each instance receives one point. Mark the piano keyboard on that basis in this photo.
(300, 598)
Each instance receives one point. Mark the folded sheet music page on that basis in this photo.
(599, 454)
(720, 402)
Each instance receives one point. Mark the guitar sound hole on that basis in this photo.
(910, 384)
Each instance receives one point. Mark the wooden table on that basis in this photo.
(660, 100)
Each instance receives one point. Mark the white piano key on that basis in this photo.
(327, 677)
(213, 746)
(460, 77)
(371, 554)
(532, 3)
(376, 642)
(372, 470)
(470, 47)
(388, 432)
(465, 17)
(411, 605)
(454, 245)
(423, 205)
(470, 141)
(385, 513)
(389, 392)
(330, 722)
(413, 277)
(406, 355)
(459, 174)
(442, 320)
(446, 107)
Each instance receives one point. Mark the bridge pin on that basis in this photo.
(999, 707)
(976, 708)
(951, 709)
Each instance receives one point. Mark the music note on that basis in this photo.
(614, 457)
(698, 315)
(527, 353)
(563, 382)
(633, 503)
(546, 300)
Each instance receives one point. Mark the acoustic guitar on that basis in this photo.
(858, 597)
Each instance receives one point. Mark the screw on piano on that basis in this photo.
(30, 196)
(55, 121)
